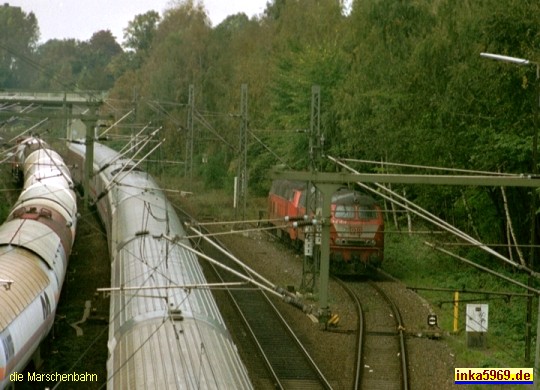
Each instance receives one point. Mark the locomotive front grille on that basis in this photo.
(351, 242)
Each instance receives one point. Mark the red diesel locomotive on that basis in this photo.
(357, 225)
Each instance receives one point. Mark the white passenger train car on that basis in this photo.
(35, 244)
(161, 336)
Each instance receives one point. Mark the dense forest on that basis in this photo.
(401, 81)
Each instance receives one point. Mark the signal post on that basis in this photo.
(327, 190)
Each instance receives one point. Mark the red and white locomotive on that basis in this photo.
(357, 224)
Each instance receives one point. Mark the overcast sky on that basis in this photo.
(80, 19)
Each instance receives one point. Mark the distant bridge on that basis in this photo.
(54, 98)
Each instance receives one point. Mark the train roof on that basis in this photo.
(347, 196)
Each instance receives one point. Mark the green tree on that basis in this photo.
(139, 35)
(175, 59)
(70, 64)
(97, 55)
(19, 33)
(61, 64)
(418, 92)
(400, 81)
(308, 50)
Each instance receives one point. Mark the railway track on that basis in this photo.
(382, 355)
(277, 359)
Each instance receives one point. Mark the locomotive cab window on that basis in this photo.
(365, 212)
(343, 211)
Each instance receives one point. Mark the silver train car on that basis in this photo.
(35, 244)
(161, 336)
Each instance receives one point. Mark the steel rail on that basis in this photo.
(401, 331)
(400, 377)
(360, 334)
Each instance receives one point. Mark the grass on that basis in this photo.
(417, 265)
(211, 203)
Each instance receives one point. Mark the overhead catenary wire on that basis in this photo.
(405, 203)
(28, 130)
(124, 151)
(268, 149)
(156, 106)
(239, 222)
(229, 232)
(4, 106)
(485, 269)
(115, 123)
(427, 167)
(8, 151)
(130, 146)
(171, 162)
(469, 291)
(490, 245)
(477, 243)
(148, 188)
(152, 269)
(177, 241)
(138, 162)
(250, 270)
(46, 151)
(115, 180)
(205, 123)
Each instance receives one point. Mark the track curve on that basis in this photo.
(382, 357)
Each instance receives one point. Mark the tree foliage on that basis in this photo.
(61, 65)
(19, 33)
(400, 80)
(138, 38)
(96, 55)
(70, 64)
